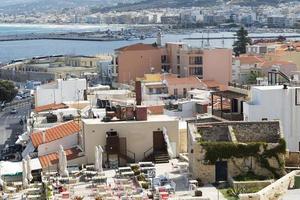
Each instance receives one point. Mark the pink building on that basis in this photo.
(208, 64)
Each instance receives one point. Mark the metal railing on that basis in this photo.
(148, 152)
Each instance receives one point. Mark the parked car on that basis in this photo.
(13, 111)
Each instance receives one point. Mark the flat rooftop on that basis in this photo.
(151, 118)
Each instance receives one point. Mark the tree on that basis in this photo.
(242, 41)
(7, 91)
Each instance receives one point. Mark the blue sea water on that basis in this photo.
(26, 49)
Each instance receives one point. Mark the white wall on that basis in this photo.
(51, 147)
(63, 91)
(276, 103)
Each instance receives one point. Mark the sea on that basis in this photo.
(13, 50)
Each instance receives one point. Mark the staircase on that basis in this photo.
(161, 157)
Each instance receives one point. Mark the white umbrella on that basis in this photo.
(1, 181)
(62, 158)
(29, 175)
(100, 158)
(24, 173)
(97, 167)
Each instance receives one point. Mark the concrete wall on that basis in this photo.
(273, 191)
(274, 103)
(133, 64)
(51, 147)
(139, 135)
(61, 91)
(217, 65)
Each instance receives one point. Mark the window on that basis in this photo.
(198, 71)
(175, 92)
(195, 60)
(184, 92)
(150, 90)
(178, 69)
(164, 59)
(178, 59)
(297, 97)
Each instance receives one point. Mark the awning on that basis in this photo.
(29, 149)
(229, 94)
(14, 168)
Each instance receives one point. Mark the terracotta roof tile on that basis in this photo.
(138, 47)
(55, 133)
(52, 158)
(281, 63)
(250, 59)
(50, 107)
(192, 80)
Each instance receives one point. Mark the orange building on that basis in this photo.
(135, 60)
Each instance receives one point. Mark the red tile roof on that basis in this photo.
(52, 158)
(138, 47)
(192, 80)
(52, 106)
(55, 133)
(280, 63)
(250, 60)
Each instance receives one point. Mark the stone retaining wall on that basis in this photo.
(273, 191)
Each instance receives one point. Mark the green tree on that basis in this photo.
(242, 41)
(7, 91)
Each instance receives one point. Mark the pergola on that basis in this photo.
(233, 114)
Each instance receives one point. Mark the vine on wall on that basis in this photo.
(225, 150)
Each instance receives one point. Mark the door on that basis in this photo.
(158, 141)
(221, 171)
(234, 105)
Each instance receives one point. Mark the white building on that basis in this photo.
(277, 103)
(60, 91)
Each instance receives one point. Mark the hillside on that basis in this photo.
(149, 4)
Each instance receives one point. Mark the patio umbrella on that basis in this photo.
(97, 167)
(62, 161)
(100, 158)
(24, 173)
(1, 181)
(29, 175)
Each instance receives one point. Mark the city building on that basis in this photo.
(135, 60)
(276, 103)
(60, 91)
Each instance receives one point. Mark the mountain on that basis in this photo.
(150, 4)
(46, 5)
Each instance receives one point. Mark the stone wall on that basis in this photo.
(236, 166)
(250, 184)
(23, 76)
(257, 132)
(292, 159)
(273, 191)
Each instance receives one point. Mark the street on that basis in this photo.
(10, 127)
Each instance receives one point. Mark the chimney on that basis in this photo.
(44, 136)
(138, 93)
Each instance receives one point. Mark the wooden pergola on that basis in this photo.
(233, 97)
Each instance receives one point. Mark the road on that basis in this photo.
(10, 127)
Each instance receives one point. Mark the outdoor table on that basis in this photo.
(90, 167)
(33, 197)
(91, 173)
(33, 191)
(99, 179)
(131, 173)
